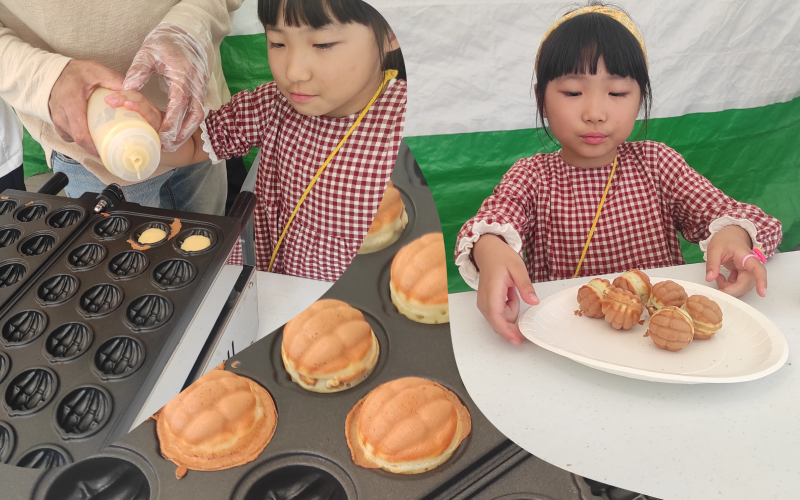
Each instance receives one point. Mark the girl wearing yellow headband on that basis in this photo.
(601, 204)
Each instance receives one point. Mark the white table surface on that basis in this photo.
(706, 441)
(281, 298)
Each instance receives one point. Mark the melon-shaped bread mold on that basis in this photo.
(406, 426)
(329, 347)
(222, 420)
(590, 297)
(388, 224)
(418, 282)
(706, 316)
(664, 294)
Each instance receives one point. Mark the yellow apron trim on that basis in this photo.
(596, 217)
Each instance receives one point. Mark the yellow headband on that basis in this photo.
(615, 14)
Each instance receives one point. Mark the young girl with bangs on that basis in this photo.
(592, 83)
(335, 65)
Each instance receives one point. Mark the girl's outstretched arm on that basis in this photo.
(502, 274)
(489, 245)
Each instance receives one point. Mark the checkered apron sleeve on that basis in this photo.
(696, 203)
(238, 126)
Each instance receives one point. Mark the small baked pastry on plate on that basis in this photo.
(706, 315)
(671, 328)
(406, 426)
(635, 281)
(329, 347)
(590, 297)
(622, 309)
(666, 293)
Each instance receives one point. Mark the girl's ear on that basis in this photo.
(391, 43)
(539, 105)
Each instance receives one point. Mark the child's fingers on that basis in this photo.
(492, 304)
(713, 261)
(511, 310)
(118, 98)
(754, 267)
(519, 274)
(738, 286)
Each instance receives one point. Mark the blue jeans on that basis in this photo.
(201, 187)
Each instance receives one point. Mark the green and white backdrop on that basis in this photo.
(725, 75)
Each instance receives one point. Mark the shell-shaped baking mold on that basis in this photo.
(30, 391)
(86, 256)
(101, 299)
(57, 289)
(24, 327)
(68, 341)
(174, 273)
(148, 312)
(82, 412)
(127, 264)
(118, 357)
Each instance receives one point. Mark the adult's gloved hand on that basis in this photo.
(183, 62)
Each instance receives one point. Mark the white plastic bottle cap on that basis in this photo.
(134, 154)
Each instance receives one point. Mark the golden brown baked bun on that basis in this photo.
(221, 421)
(671, 328)
(665, 293)
(329, 347)
(590, 297)
(706, 315)
(419, 280)
(622, 309)
(635, 281)
(406, 426)
(388, 224)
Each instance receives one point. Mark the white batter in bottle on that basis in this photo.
(128, 145)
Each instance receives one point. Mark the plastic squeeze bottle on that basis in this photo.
(128, 145)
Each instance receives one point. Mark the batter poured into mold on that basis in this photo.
(152, 235)
(196, 243)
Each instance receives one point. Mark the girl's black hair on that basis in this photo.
(319, 13)
(578, 44)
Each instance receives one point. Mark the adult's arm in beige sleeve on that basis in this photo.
(27, 75)
(182, 49)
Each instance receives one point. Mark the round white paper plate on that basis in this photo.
(747, 347)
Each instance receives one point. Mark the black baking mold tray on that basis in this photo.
(89, 331)
(308, 457)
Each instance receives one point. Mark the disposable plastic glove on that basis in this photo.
(182, 60)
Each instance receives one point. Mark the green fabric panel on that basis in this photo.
(33, 160)
(753, 155)
(245, 64)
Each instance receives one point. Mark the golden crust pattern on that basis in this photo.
(327, 337)
(419, 272)
(706, 315)
(664, 294)
(221, 421)
(622, 309)
(406, 421)
(671, 328)
(389, 210)
(637, 282)
(590, 297)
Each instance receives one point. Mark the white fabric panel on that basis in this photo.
(470, 63)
